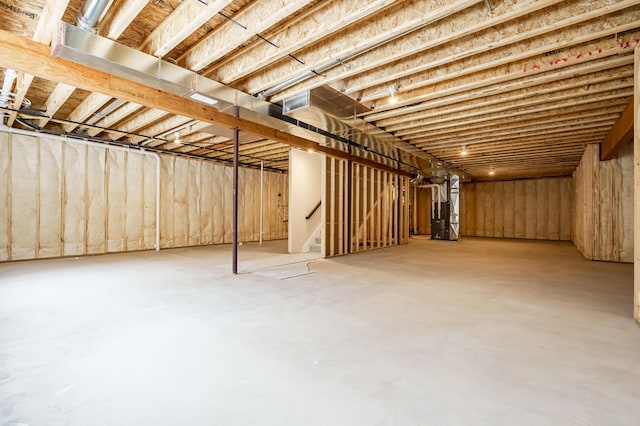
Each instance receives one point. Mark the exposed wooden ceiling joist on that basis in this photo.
(41, 63)
(524, 78)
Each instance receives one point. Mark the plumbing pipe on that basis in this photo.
(158, 162)
(90, 13)
(6, 129)
(261, 196)
(9, 77)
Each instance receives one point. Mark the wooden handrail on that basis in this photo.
(314, 210)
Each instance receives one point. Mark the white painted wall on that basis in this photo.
(305, 190)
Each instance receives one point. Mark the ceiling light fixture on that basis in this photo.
(491, 171)
(203, 98)
(178, 141)
(464, 150)
(392, 91)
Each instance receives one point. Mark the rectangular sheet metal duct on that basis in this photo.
(84, 47)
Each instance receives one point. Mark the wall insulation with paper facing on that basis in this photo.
(66, 199)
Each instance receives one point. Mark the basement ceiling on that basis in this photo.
(522, 86)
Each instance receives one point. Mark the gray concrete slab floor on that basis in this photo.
(478, 332)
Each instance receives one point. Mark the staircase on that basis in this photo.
(316, 244)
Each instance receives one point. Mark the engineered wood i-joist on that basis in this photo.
(184, 20)
(528, 28)
(391, 22)
(471, 20)
(570, 42)
(334, 16)
(259, 16)
(504, 80)
(468, 90)
(504, 101)
(41, 63)
(114, 26)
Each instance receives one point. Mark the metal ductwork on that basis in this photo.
(90, 13)
(5, 94)
(338, 113)
(343, 132)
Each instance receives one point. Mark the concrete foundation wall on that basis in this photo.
(603, 206)
(529, 208)
(64, 199)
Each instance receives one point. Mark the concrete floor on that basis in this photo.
(479, 332)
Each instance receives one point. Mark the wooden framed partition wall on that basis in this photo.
(364, 208)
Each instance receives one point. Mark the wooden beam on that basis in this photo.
(114, 28)
(37, 59)
(258, 17)
(51, 14)
(125, 12)
(619, 135)
(183, 21)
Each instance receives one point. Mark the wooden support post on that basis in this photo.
(636, 198)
